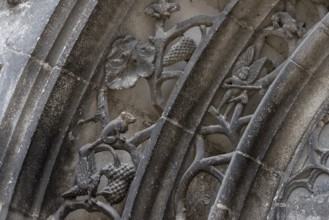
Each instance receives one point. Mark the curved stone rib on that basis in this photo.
(296, 73)
(47, 44)
(173, 135)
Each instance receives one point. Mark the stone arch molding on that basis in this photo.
(235, 97)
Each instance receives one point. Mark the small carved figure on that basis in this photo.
(111, 132)
(240, 82)
(285, 22)
(180, 51)
(127, 62)
(161, 10)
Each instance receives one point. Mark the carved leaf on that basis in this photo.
(127, 62)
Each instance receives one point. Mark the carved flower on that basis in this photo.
(128, 60)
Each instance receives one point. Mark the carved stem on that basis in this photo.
(184, 26)
(198, 165)
(69, 206)
(167, 75)
(106, 209)
(141, 136)
(156, 95)
(212, 129)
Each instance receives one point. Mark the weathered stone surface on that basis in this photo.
(232, 129)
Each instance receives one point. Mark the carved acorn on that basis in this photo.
(180, 51)
(119, 179)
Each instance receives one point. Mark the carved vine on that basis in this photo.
(251, 75)
(129, 60)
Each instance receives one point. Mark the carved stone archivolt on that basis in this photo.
(237, 80)
(305, 182)
(129, 60)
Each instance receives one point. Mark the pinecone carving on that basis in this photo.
(182, 50)
(119, 179)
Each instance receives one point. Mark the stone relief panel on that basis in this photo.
(158, 61)
(237, 100)
(99, 186)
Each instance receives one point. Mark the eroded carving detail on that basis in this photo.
(15, 2)
(305, 177)
(119, 175)
(127, 62)
(162, 10)
(285, 26)
(251, 76)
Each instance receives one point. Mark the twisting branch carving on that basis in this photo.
(200, 164)
(130, 60)
(127, 62)
(251, 74)
(245, 80)
(119, 175)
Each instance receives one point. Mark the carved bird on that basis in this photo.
(111, 132)
(87, 179)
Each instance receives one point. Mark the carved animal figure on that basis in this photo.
(284, 21)
(111, 132)
(161, 10)
(87, 178)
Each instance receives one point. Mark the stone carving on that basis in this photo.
(111, 132)
(284, 22)
(251, 76)
(119, 175)
(130, 59)
(181, 51)
(15, 2)
(161, 10)
(285, 26)
(127, 62)
(312, 167)
(243, 79)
